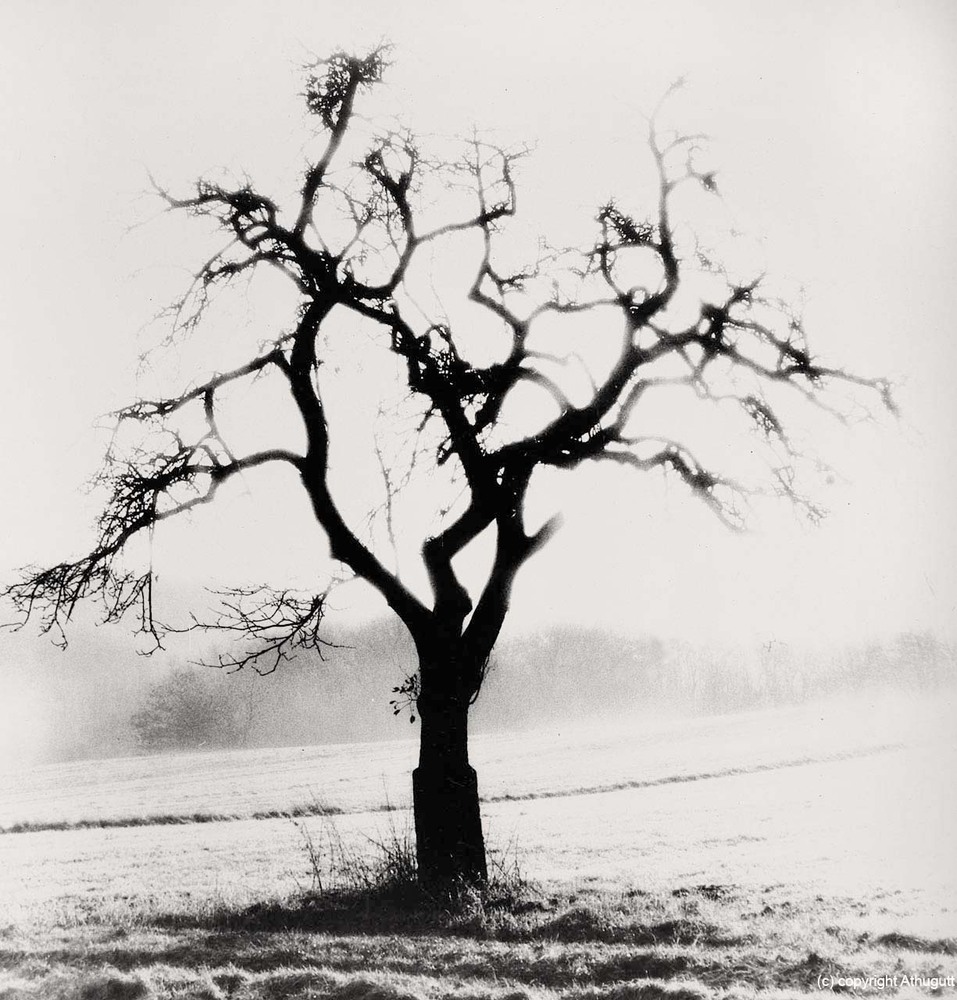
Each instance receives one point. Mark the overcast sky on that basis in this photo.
(834, 136)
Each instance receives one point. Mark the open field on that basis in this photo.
(725, 856)
(598, 755)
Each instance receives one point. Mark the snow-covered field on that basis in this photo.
(853, 801)
(846, 795)
(592, 755)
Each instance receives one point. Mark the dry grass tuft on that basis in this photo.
(896, 941)
(377, 891)
(113, 986)
(105, 984)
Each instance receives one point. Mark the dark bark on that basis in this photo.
(450, 846)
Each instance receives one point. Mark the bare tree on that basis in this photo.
(348, 245)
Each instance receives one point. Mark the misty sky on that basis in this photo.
(834, 137)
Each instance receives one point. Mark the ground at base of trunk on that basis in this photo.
(695, 941)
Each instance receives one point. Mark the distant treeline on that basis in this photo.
(581, 672)
(559, 674)
(114, 705)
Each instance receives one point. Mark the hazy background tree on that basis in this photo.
(559, 362)
(185, 712)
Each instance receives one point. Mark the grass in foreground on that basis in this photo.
(690, 943)
(365, 930)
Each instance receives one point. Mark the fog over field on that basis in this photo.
(81, 704)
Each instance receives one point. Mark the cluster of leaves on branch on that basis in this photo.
(347, 244)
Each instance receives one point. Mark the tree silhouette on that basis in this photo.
(348, 246)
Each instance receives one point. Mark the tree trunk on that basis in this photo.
(450, 848)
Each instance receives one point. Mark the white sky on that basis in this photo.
(835, 140)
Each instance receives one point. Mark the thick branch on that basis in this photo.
(331, 96)
(345, 546)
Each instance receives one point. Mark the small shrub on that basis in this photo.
(334, 868)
